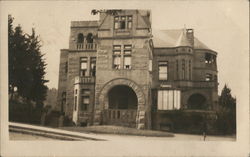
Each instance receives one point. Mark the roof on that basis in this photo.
(84, 24)
(175, 38)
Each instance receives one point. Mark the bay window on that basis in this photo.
(168, 99)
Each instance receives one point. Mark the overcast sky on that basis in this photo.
(222, 26)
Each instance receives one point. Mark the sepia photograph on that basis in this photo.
(124, 78)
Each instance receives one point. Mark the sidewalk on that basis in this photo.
(52, 133)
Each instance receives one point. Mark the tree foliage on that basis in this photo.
(226, 100)
(26, 65)
(226, 122)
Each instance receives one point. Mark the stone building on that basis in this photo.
(117, 71)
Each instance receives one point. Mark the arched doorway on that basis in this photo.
(133, 116)
(122, 97)
(197, 101)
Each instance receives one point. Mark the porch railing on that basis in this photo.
(87, 46)
(123, 117)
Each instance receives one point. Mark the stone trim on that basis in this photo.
(140, 118)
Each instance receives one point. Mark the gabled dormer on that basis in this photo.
(124, 23)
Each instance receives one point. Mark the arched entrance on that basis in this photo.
(122, 97)
(197, 101)
(122, 102)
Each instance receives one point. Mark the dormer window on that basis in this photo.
(123, 22)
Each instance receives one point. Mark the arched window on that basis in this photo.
(89, 38)
(80, 38)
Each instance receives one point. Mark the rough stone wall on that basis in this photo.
(74, 34)
(199, 68)
(74, 71)
(62, 78)
(139, 72)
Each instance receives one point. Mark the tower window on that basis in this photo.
(208, 77)
(123, 22)
(190, 69)
(75, 103)
(66, 67)
(93, 66)
(127, 56)
(85, 103)
(80, 38)
(209, 58)
(177, 70)
(183, 69)
(117, 56)
(122, 56)
(163, 70)
(83, 66)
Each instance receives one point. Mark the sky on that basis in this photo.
(222, 25)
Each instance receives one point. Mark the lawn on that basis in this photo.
(118, 130)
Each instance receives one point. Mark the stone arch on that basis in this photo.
(80, 38)
(197, 101)
(121, 81)
(90, 38)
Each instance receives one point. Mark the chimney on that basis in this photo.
(190, 36)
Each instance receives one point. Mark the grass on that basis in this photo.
(118, 130)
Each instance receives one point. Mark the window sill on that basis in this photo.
(123, 30)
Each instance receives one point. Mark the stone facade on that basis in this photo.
(121, 53)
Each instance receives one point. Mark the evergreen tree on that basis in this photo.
(26, 65)
(226, 122)
(226, 100)
(38, 89)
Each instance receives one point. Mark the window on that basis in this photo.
(190, 70)
(66, 67)
(183, 69)
(83, 66)
(122, 56)
(209, 58)
(208, 77)
(123, 22)
(127, 62)
(75, 102)
(89, 38)
(63, 102)
(85, 103)
(86, 91)
(75, 91)
(177, 70)
(80, 38)
(168, 99)
(127, 56)
(163, 70)
(150, 65)
(117, 56)
(93, 66)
